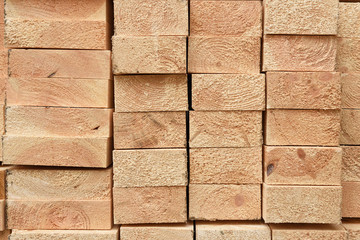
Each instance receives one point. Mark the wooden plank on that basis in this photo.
(352, 227)
(303, 127)
(55, 151)
(301, 204)
(3, 81)
(226, 18)
(158, 232)
(350, 200)
(3, 171)
(149, 205)
(21, 32)
(58, 122)
(149, 55)
(350, 90)
(2, 30)
(43, 24)
(349, 20)
(348, 57)
(147, 17)
(112, 234)
(225, 129)
(350, 127)
(2, 215)
(224, 202)
(55, 184)
(66, 215)
(233, 230)
(145, 93)
(225, 165)
(316, 17)
(302, 165)
(59, 92)
(224, 55)
(307, 231)
(150, 130)
(40, 63)
(303, 90)
(2, 119)
(228, 92)
(299, 53)
(6, 233)
(150, 168)
(3, 64)
(351, 163)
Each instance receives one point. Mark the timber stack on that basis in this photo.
(180, 119)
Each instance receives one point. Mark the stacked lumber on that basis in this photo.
(302, 157)
(58, 114)
(151, 100)
(187, 154)
(228, 97)
(348, 60)
(58, 99)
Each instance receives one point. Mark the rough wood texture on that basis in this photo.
(3, 64)
(307, 231)
(47, 215)
(228, 92)
(54, 151)
(112, 234)
(351, 163)
(348, 57)
(351, 200)
(142, 93)
(59, 92)
(226, 165)
(58, 122)
(158, 232)
(316, 17)
(40, 63)
(232, 231)
(226, 18)
(2, 215)
(150, 168)
(149, 55)
(2, 120)
(150, 130)
(6, 233)
(353, 228)
(224, 55)
(148, 17)
(302, 165)
(299, 53)
(2, 89)
(349, 20)
(302, 127)
(350, 90)
(225, 129)
(149, 205)
(303, 90)
(58, 184)
(224, 202)
(57, 24)
(302, 204)
(350, 127)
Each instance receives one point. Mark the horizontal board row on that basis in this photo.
(204, 231)
(133, 93)
(219, 92)
(167, 54)
(208, 18)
